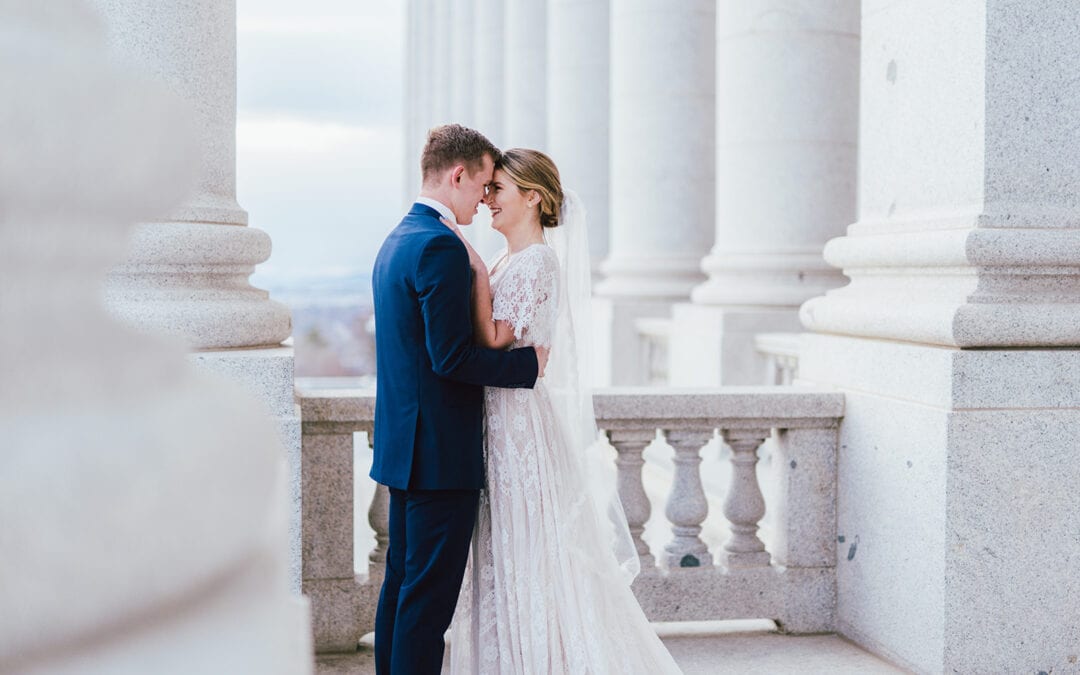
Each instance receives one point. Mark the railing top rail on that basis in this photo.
(781, 344)
(764, 406)
(626, 407)
(341, 406)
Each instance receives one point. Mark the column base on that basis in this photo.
(267, 374)
(620, 355)
(711, 346)
(957, 542)
(191, 280)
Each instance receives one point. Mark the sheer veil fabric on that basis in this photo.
(568, 376)
(547, 588)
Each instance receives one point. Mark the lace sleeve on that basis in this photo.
(528, 297)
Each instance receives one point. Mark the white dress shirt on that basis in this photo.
(443, 209)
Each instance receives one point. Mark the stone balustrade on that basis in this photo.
(791, 582)
(781, 352)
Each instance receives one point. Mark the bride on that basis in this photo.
(547, 588)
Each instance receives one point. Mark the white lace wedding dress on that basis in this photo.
(543, 593)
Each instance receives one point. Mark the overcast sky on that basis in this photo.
(319, 144)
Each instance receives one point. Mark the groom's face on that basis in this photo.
(469, 190)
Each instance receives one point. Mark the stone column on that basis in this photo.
(463, 73)
(440, 43)
(579, 95)
(186, 275)
(417, 95)
(958, 340)
(663, 87)
(488, 87)
(142, 501)
(525, 74)
(787, 82)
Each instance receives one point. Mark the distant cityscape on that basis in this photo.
(333, 321)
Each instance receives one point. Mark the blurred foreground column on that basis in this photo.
(787, 86)
(186, 275)
(958, 340)
(663, 127)
(142, 501)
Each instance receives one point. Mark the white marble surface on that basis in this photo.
(955, 502)
(143, 502)
(663, 90)
(489, 90)
(579, 108)
(163, 284)
(525, 63)
(714, 345)
(715, 648)
(786, 132)
(967, 232)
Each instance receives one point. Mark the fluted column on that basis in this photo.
(525, 74)
(186, 275)
(481, 27)
(441, 44)
(463, 73)
(579, 95)
(489, 87)
(417, 93)
(957, 341)
(663, 88)
(786, 125)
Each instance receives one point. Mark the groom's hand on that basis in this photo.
(541, 359)
(455, 228)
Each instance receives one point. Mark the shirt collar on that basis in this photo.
(443, 209)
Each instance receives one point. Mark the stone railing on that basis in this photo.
(781, 352)
(792, 582)
(654, 335)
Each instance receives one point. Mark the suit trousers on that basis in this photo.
(430, 533)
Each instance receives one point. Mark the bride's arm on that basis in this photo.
(486, 331)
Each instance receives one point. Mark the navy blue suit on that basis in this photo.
(428, 432)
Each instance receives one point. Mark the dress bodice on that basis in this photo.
(524, 289)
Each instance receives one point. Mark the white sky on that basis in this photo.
(319, 146)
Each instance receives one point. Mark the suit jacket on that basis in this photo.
(429, 388)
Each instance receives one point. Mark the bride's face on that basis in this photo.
(509, 206)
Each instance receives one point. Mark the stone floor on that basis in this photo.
(706, 650)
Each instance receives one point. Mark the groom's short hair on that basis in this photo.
(452, 144)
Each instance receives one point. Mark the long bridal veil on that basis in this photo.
(568, 381)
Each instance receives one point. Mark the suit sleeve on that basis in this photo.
(444, 290)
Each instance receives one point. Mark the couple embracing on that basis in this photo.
(481, 424)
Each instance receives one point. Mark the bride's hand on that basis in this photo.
(542, 354)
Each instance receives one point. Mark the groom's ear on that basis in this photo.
(455, 175)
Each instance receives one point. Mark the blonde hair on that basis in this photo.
(533, 170)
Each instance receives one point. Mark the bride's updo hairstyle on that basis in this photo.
(533, 170)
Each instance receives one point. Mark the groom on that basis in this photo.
(429, 400)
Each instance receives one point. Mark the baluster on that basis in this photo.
(379, 519)
(687, 506)
(744, 505)
(630, 444)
